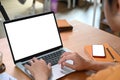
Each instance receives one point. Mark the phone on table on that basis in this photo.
(98, 51)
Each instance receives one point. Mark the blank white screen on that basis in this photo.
(33, 35)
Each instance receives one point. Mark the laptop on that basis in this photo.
(36, 36)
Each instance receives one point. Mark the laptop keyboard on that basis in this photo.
(51, 58)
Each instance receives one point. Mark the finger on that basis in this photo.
(67, 65)
(65, 54)
(30, 62)
(63, 59)
(43, 61)
(34, 59)
(27, 66)
(49, 65)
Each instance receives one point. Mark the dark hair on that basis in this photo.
(110, 2)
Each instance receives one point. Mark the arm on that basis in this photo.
(110, 73)
(96, 65)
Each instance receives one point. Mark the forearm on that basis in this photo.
(96, 65)
(41, 78)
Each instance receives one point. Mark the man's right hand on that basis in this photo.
(79, 63)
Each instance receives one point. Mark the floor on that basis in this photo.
(82, 12)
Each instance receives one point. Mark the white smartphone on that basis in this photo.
(98, 51)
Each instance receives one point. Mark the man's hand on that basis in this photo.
(79, 63)
(39, 69)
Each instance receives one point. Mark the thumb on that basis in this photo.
(68, 65)
(49, 65)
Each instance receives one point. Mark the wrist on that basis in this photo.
(40, 77)
(97, 65)
(92, 65)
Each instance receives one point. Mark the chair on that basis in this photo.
(69, 3)
(4, 12)
(74, 2)
(33, 4)
(46, 4)
(94, 11)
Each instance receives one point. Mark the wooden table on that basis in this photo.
(75, 40)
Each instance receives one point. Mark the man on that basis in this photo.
(106, 70)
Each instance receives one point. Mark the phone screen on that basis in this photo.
(98, 51)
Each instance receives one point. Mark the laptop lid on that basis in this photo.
(32, 36)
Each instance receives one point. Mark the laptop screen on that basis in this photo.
(32, 35)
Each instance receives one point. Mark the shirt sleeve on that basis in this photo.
(111, 73)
